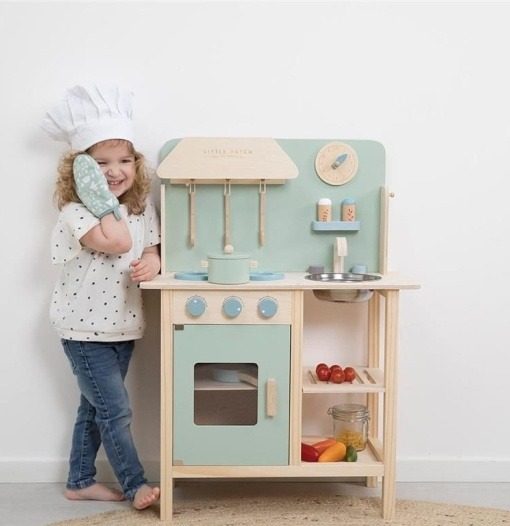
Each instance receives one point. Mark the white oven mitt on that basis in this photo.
(92, 187)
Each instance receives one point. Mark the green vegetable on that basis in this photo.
(351, 454)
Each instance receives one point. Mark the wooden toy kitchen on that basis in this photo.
(251, 228)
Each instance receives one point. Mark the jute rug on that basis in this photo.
(302, 510)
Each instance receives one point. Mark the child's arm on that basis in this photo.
(148, 266)
(110, 236)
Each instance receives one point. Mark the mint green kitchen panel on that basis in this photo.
(291, 244)
(266, 442)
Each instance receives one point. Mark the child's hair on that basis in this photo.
(134, 198)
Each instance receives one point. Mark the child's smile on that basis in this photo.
(117, 163)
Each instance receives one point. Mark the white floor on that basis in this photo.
(41, 504)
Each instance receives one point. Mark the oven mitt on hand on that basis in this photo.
(92, 188)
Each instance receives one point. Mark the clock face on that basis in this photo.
(336, 163)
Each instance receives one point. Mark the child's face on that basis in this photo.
(117, 163)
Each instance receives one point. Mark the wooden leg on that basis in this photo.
(166, 497)
(296, 381)
(166, 500)
(373, 361)
(390, 398)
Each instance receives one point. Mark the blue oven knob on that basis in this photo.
(195, 306)
(267, 307)
(232, 307)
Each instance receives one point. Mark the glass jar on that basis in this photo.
(350, 424)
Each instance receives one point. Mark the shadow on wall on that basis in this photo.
(46, 349)
(144, 387)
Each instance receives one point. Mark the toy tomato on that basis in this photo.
(350, 374)
(323, 373)
(337, 376)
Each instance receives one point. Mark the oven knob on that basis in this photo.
(267, 307)
(195, 306)
(232, 307)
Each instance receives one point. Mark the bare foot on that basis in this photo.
(145, 497)
(95, 492)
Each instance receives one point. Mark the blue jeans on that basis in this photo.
(104, 415)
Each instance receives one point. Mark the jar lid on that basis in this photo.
(349, 412)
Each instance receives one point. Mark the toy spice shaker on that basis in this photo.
(348, 210)
(324, 209)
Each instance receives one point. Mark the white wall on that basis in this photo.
(430, 81)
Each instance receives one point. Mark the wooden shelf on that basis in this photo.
(214, 385)
(205, 379)
(368, 380)
(369, 464)
(338, 226)
(306, 469)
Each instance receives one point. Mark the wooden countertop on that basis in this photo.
(291, 281)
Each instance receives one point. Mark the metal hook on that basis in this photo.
(192, 218)
(262, 186)
(226, 212)
(262, 212)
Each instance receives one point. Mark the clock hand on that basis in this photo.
(338, 161)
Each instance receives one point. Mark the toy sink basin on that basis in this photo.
(342, 277)
(344, 295)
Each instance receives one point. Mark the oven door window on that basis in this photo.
(225, 394)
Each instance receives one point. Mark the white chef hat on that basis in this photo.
(90, 114)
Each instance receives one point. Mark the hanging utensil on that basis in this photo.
(262, 212)
(226, 210)
(191, 209)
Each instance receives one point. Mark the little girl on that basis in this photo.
(107, 241)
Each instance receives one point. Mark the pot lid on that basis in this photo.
(228, 253)
(228, 256)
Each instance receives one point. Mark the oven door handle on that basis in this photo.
(271, 397)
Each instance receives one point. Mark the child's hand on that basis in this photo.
(92, 188)
(146, 268)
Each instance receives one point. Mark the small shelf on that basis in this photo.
(205, 379)
(369, 462)
(368, 380)
(339, 226)
(214, 385)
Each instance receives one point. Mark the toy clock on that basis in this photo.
(336, 163)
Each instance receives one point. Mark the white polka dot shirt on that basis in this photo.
(94, 298)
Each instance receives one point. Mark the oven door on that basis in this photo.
(231, 394)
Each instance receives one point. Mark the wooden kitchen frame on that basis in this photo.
(378, 378)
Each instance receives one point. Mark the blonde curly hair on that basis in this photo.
(134, 198)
